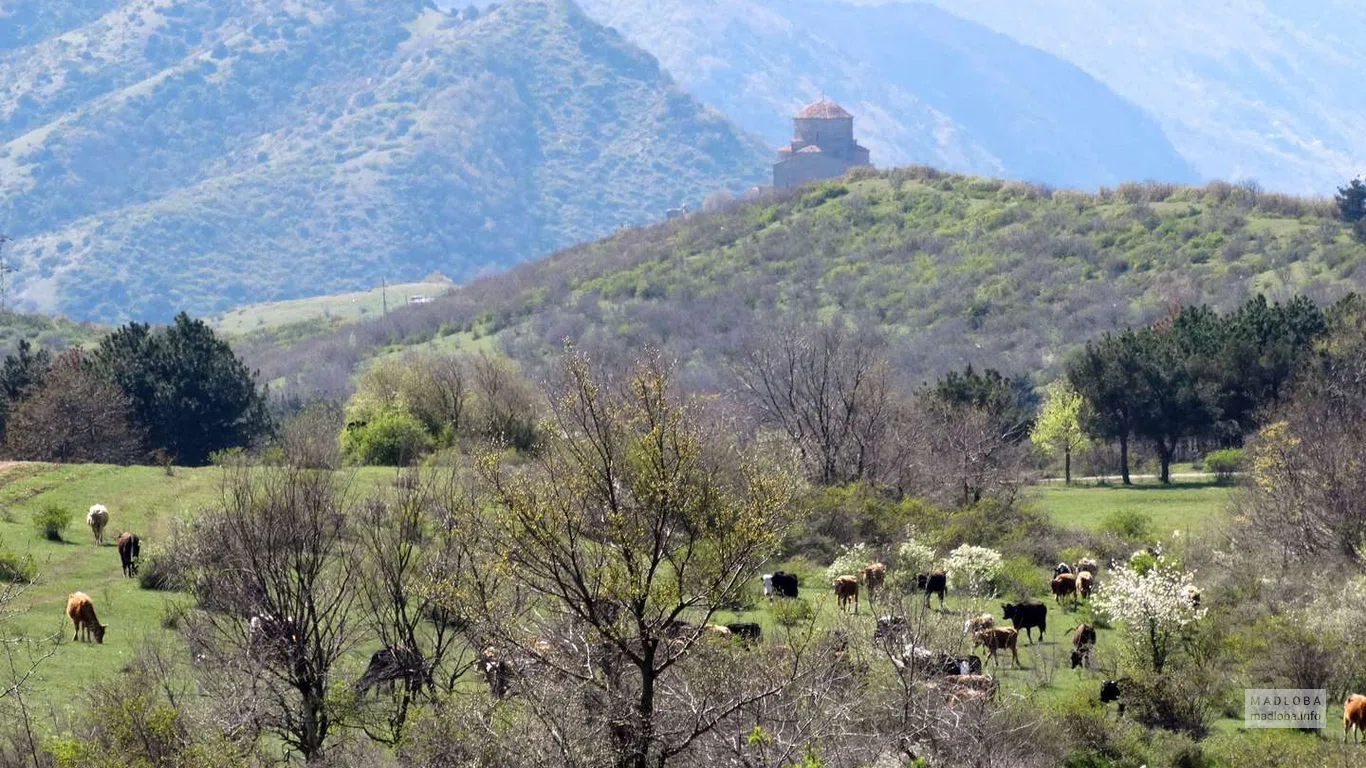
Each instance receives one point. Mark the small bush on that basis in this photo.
(1224, 463)
(972, 569)
(851, 561)
(395, 438)
(158, 571)
(16, 568)
(52, 521)
(1128, 524)
(789, 612)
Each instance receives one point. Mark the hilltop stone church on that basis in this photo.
(823, 146)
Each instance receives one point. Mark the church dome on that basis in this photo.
(823, 110)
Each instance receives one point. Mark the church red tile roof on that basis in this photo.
(823, 110)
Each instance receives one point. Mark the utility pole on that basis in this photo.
(384, 293)
(5, 270)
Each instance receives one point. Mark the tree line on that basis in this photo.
(174, 394)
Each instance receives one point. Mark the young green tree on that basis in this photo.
(1058, 428)
(189, 390)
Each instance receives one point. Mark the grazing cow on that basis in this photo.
(397, 664)
(1085, 583)
(1110, 692)
(874, 576)
(890, 627)
(1027, 616)
(784, 584)
(129, 549)
(846, 589)
(716, 632)
(930, 663)
(1087, 565)
(768, 586)
(97, 518)
(82, 614)
(1084, 635)
(976, 624)
(1354, 717)
(995, 639)
(1082, 657)
(747, 631)
(1061, 568)
(1064, 586)
(934, 582)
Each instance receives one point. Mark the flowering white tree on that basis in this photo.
(914, 557)
(972, 569)
(850, 562)
(1153, 607)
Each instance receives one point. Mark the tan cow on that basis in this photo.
(1085, 583)
(846, 589)
(874, 576)
(82, 614)
(1354, 717)
(995, 639)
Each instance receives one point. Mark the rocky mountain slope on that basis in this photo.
(158, 155)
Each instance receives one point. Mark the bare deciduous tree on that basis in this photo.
(74, 417)
(827, 388)
(274, 571)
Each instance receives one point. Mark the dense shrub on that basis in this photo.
(972, 569)
(160, 571)
(52, 521)
(1224, 463)
(851, 561)
(16, 568)
(1019, 578)
(1128, 524)
(394, 438)
(789, 612)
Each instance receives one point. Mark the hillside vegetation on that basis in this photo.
(197, 154)
(324, 311)
(956, 269)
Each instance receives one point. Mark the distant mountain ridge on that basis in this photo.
(158, 155)
(925, 85)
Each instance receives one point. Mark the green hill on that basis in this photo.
(53, 333)
(203, 154)
(326, 311)
(956, 269)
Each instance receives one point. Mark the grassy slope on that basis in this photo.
(328, 311)
(45, 331)
(957, 269)
(141, 499)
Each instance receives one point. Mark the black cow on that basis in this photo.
(1062, 568)
(747, 631)
(1026, 616)
(784, 584)
(130, 547)
(1111, 692)
(394, 665)
(1081, 657)
(960, 665)
(934, 582)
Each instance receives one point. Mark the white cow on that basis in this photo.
(97, 518)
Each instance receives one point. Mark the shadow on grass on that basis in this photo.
(1179, 485)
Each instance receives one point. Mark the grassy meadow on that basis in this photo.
(148, 501)
(334, 310)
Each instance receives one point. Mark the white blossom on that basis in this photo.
(971, 569)
(1152, 606)
(914, 557)
(850, 562)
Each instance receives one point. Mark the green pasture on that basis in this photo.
(1184, 505)
(144, 500)
(337, 308)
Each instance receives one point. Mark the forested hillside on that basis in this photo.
(955, 269)
(925, 85)
(187, 154)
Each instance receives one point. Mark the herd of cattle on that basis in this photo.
(962, 675)
(79, 607)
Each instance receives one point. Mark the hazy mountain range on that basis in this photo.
(158, 155)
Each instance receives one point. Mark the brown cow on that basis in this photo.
(1083, 636)
(846, 589)
(1354, 717)
(130, 547)
(995, 639)
(873, 577)
(1085, 582)
(1063, 586)
(82, 614)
